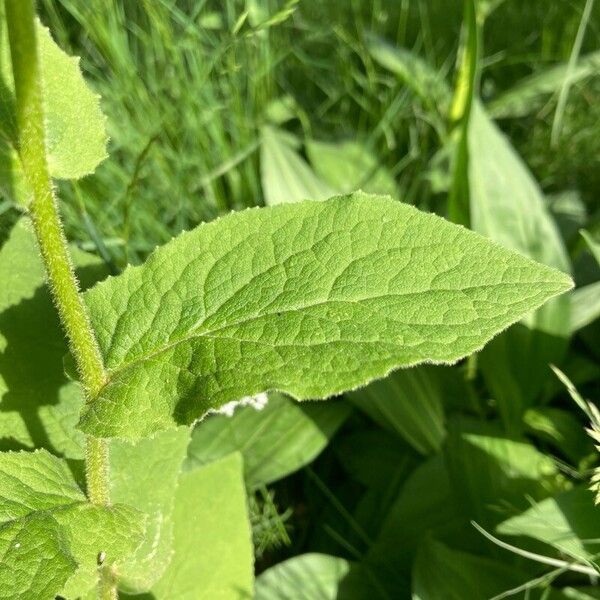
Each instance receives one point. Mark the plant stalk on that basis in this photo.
(62, 281)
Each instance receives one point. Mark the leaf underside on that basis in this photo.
(311, 299)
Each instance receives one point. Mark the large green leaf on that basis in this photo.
(212, 557)
(408, 403)
(275, 441)
(311, 299)
(46, 523)
(75, 126)
(144, 475)
(39, 407)
(285, 175)
(568, 522)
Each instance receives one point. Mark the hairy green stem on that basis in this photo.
(52, 242)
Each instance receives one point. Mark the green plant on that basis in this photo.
(311, 299)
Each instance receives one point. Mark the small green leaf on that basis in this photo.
(308, 576)
(348, 166)
(144, 475)
(46, 522)
(75, 126)
(212, 543)
(568, 522)
(275, 441)
(311, 299)
(285, 175)
(492, 473)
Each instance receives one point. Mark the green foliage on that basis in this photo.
(285, 176)
(569, 522)
(314, 576)
(408, 403)
(446, 574)
(39, 405)
(145, 476)
(382, 492)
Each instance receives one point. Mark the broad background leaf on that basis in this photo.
(408, 402)
(305, 577)
(348, 166)
(507, 205)
(442, 573)
(145, 475)
(212, 545)
(275, 441)
(568, 522)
